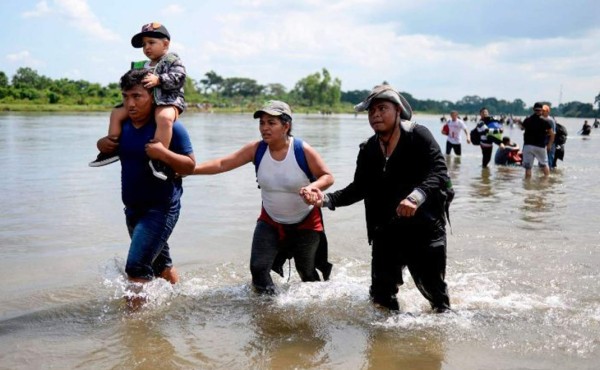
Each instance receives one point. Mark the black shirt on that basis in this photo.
(536, 129)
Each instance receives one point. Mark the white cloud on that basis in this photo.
(78, 14)
(362, 42)
(41, 9)
(302, 41)
(173, 9)
(23, 58)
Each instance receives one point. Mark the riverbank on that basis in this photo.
(70, 108)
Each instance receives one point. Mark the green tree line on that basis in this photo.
(318, 91)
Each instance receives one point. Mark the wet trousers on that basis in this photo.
(423, 253)
(301, 244)
(486, 152)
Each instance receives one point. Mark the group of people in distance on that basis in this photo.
(539, 131)
(400, 174)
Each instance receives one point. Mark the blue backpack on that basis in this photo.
(298, 152)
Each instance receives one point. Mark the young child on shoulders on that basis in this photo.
(167, 77)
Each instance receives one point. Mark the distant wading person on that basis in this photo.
(535, 146)
(509, 154)
(586, 129)
(288, 172)
(489, 131)
(552, 150)
(455, 127)
(402, 178)
(152, 205)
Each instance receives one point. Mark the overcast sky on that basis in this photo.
(434, 49)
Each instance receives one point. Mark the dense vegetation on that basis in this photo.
(27, 90)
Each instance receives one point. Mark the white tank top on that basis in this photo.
(280, 182)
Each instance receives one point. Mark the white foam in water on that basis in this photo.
(156, 293)
(595, 315)
(478, 299)
(344, 290)
(193, 287)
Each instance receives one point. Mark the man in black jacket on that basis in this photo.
(402, 177)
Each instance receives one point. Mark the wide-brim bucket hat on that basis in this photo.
(386, 92)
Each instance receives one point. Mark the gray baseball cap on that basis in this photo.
(386, 92)
(274, 108)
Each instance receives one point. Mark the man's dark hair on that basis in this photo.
(482, 109)
(132, 78)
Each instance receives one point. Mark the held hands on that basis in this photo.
(155, 149)
(108, 144)
(150, 80)
(406, 208)
(312, 195)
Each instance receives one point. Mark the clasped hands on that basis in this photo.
(108, 144)
(314, 196)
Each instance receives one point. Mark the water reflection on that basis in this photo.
(538, 200)
(393, 349)
(146, 346)
(453, 164)
(285, 339)
(482, 185)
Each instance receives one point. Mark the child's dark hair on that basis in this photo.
(132, 78)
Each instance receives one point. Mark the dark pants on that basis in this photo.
(486, 151)
(424, 253)
(301, 244)
(457, 148)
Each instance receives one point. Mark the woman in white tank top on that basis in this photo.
(288, 226)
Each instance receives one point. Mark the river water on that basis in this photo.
(523, 263)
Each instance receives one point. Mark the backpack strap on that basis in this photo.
(260, 152)
(298, 153)
(301, 159)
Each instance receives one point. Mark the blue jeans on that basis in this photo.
(301, 244)
(551, 153)
(149, 230)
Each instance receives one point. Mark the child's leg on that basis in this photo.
(165, 115)
(117, 116)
